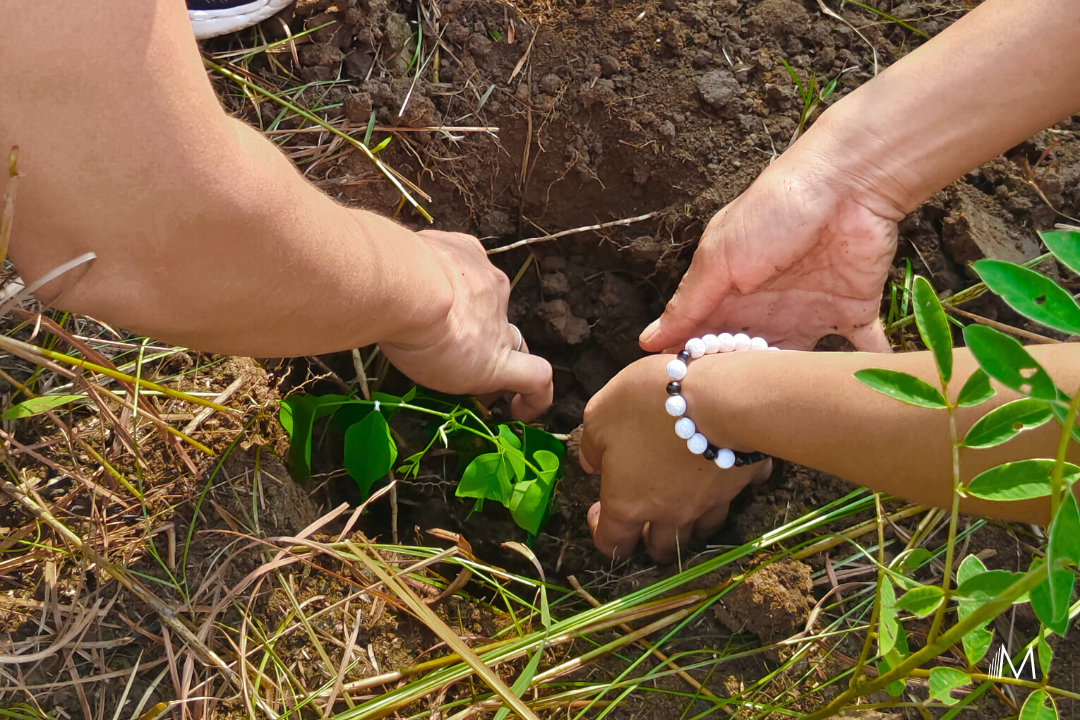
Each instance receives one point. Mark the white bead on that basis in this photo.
(676, 369)
(759, 343)
(773, 347)
(725, 459)
(685, 428)
(712, 344)
(742, 341)
(727, 342)
(696, 347)
(675, 405)
(697, 443)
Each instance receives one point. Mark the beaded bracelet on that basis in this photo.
(676, 403)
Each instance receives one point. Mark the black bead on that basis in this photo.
(710, 452)
(673, 387)
(740, 459)
(684, 356)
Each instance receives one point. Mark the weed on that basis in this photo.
(810, 95)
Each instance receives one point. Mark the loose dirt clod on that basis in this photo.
(772, 603)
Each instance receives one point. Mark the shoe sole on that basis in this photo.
(211, 23)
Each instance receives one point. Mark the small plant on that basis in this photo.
(809, 94)
(979, 595)
(519, 469)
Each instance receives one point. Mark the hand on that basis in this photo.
(473, 351)
(793, 259)
(651, 486)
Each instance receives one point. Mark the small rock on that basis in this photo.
(555, 284)
(568, 327)
(480, 45)
(358, 109)
(667, 129)
(609, 66)
(718, 88)
(772, 602)
(976, 228)
(702, 58)
(553, 263)
(457, 33)
(550, 84)
(358, 64)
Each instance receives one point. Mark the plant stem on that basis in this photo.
(1059, 459)
(954, 516)
(875, 611)
(985, 612)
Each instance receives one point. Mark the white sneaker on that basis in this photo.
(210, 18)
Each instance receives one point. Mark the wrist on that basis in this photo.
(842, 152)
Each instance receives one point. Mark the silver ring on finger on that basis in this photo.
(521, 338)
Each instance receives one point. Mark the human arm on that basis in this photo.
(806, 250)
(206, 236)
(803, 407)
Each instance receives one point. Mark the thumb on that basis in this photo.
(702, 288)
(870, 338)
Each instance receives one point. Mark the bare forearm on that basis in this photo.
(807, 408)
(995, 77)
(205, 234)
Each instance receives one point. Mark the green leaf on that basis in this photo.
(349, 415)
(911, 559)
(481, 479)
(536, 440)
(933, 326)
(529, 505)
(906, 388)
(887, 623)
(298, 414)
(1065, 532)
(1007, 421)
(969, 568)
(548, 464)
(896, 687)
(1031, 294)
(1039, 706)
(1046, 655)
(38, 405)
(1064, 544)
(921, 601)
(1065, 244)
(1061, 412)
(1043, 605)
(944, 679)
(1020, 480)
(1006, 360)
(507, 438)
(976, 390)
(978, 640)
(370, 451)
(988, 585)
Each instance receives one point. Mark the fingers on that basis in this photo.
(700, 291)
(530, 377)
(590, 453)
(871, 338)
(667, 542)
(710, 521)
(614, 537)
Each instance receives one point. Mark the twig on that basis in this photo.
(1002, 327)
(564, 233)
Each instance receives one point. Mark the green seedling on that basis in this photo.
(515, 465)
(809, 94)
